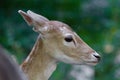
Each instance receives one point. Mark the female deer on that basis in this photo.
(56, 42)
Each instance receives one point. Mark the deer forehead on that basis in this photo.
(57, 28)
(57, 25)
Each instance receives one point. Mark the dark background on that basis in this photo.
(96, 21)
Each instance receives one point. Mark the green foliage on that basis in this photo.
(96, 21)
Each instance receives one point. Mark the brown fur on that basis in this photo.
(52, 47)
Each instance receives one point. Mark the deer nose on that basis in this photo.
(98, 57)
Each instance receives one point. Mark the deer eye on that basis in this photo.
(68, 38)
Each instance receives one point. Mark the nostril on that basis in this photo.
(98, 57)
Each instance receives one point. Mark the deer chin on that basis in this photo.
(79, 62)
(91, 63)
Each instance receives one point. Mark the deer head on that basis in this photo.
(60, 41)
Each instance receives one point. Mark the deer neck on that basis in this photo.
(39, 65)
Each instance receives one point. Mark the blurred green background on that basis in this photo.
(96, 21)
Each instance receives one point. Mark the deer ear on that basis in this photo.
(37, 21)
(26, 17)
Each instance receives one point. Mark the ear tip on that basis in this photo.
(19, 11)
(29, 12)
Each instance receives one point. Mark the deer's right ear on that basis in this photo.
(37, 21)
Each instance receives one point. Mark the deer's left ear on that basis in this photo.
(37, 21)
